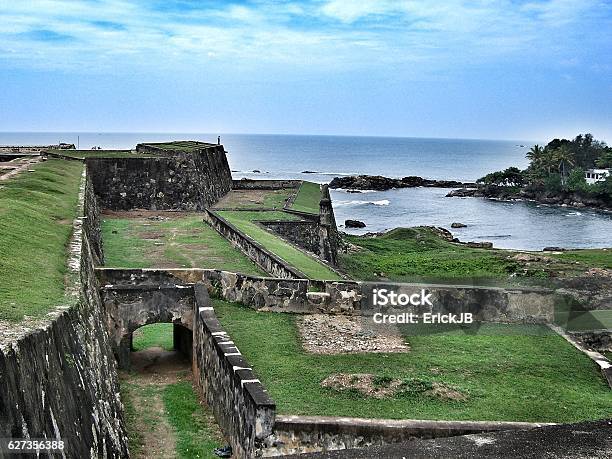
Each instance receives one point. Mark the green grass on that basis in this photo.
(413, 254)
(194, 436)
(598, 258)
(509, 372)
(36, 213)
(153, 335)
(131, 416)
(187, 146)
(182, 241)
(245, 221)
(82, 154)
(308, 198)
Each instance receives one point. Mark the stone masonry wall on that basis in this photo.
(489, 304)
(226, 381)
(59, 380)
(179, 181)
(304, 234)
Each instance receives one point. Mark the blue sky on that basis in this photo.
(507, 69)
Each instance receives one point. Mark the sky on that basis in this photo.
(506, 69)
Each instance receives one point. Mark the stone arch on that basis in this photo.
(132, 307)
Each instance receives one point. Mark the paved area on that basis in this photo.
(582, 440)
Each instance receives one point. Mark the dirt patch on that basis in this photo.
(251, 198)
(375, 386)
(330, 334)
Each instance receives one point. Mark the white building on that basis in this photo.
(596, 175)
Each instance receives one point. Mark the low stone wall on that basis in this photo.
(225, 380)
(304, 234)
(91, 222)
(488, 304)
(58, 377)
(265, 184)
(303, 434)
(177, 181)
(262, 257)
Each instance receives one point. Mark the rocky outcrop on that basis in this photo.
(563, 198)
(458, 225)
(380, 183)
(354, 224)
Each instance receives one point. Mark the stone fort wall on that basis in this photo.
(172, 180)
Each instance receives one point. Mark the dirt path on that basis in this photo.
(153, 369)
(17, 166)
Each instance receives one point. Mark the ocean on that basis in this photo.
(515, 225)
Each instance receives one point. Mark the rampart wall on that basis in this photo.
(171, 181)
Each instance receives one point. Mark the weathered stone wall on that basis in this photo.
(303, 434)
(328, 231)
(58, 379)
(179, 181)
(262, 257)
(304, 234)
(130, 307)
(226, 381)
(91, 221)
(264, 184)
(489, 304)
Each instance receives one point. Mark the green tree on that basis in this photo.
(605, 160)
(576, 180)
(564, 157)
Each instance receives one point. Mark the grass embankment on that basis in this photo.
(308, 198)
(153, 335)
(596, 258)
(178, 241)
(83, 154)
(246, 222)
(185, 146)
(508, 372)
(413, 254)
(36, 213)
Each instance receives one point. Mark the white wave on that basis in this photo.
(573, 213)
(349, 190)
(382, 202)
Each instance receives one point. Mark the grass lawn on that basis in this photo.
(36, 213)
(153, 335)
(508, 372)
(308, 197)
(254, 199)
(82, 154)
(180, 241)
(413, 254)
(245, 221)
(597, 258)
(186, 146)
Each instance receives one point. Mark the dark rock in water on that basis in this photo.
(354, 191)
(309, 172)
(256, 171)
(464, 193)
(480, 245)
(458, 225)
(553, 249)
(354, 224)
(380, 183)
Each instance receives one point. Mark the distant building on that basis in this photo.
(596, 175)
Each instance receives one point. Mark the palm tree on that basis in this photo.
(563, 156)
(535, 153)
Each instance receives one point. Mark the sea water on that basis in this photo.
(518, 225)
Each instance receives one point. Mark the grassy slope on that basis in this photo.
(36, 213)
(308, 197)
(510, 372)
(188, 242)
(245, 221)
(598, 258)
(407, 254)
